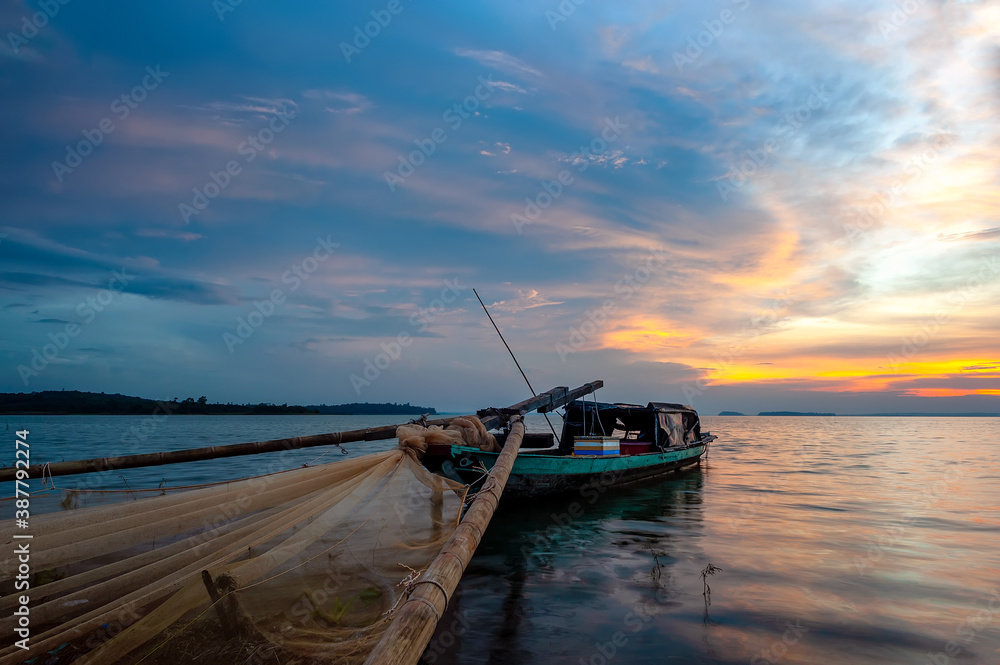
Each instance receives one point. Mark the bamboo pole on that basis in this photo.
(212, 452)
(415, 622)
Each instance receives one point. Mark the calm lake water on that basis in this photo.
(840, 540)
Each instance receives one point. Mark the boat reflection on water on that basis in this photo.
(850, 540)
(578, 576)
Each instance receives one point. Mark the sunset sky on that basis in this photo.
(737, 205)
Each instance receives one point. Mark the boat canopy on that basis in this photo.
(664, 424)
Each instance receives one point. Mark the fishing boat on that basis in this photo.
(602, 445)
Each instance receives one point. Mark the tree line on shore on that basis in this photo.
(75, 402)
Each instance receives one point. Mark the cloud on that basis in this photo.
(954, 384)
(507, 86)
(235, 112)
(987, 234)
(86, 271)
(16, 280)
(500, 60)
(614, 158)
(183, 290)
(499, 147)
(981, 367)
(345, 102)
(612, 39)
(643, 65)
(172, 234)
(526, 299)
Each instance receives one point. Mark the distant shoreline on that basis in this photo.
(10, 414)
(77, 403)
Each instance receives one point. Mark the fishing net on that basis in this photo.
(303, 566)
(464, 431)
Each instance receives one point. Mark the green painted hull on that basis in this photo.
(535, 475)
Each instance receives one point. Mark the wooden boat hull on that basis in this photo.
(535, 474)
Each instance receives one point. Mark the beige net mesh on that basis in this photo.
(464, 431)
(305, 564)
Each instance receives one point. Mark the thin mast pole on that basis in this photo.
(533, 393)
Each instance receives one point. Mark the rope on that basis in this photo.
(321, 456)
(597, 413)
(461, 565)
(38, 493)
(46, 467)
(490, 486)
(473, 526)
(437, 617)
(479, 467)
(438, 585)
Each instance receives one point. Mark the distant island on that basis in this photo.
(872, 415)
(931, 415)
(868, 415)
(75, 402)
(793, 413)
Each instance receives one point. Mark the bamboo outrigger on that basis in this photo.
(414, 623)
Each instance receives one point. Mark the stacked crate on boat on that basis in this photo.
(636, 447)
(596, 445)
